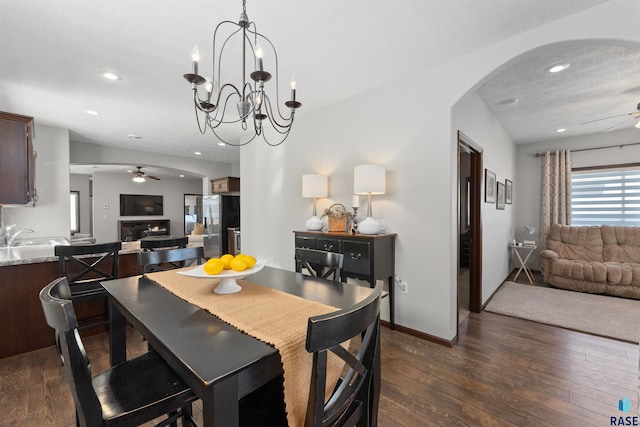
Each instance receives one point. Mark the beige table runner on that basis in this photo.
(270, 315)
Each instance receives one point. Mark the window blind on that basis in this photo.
(610, 197)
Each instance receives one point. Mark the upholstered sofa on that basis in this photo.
(599, 259)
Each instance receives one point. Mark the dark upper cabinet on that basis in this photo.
(17, 160)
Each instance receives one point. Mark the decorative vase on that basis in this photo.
(369, 226)
(314, 224)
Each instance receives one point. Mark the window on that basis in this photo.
(75, 211)
(606, 196)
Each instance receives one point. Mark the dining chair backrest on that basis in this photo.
(60, 315)
(354, 400)
(170, 259)
(128, 394)
(154, 244)
(320, 263)
(85, 266)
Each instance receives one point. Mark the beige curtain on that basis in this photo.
(556, 191)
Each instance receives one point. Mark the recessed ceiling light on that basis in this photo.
(136, 137)
(561, 130)
(197, 153)
(511, 102)
(109, 75)
(221, 144)
(92, 113)
(181, 175)
(556, 68)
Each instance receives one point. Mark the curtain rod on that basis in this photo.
(597, 148)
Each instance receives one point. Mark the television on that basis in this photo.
(141, 205)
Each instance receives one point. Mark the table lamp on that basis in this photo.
(369, 179)
(314, 185)
(529, 231)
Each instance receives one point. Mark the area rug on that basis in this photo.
(606, 316)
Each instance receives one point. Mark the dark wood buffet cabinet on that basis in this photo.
(366, 257)
(17, 160)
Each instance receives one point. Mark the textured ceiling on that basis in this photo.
(602, 81)
(52, 52)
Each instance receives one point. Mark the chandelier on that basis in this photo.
(254, 108)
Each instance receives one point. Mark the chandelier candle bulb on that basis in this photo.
(195, 58)
(258, 53)
(293, 89)
(355, 201)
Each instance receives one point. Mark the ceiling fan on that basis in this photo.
(139, 176)
(634, 116)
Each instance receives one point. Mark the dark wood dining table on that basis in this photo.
(220, 363)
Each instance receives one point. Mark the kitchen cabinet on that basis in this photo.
(225, 185)
(23, 325)
(366, 257)
(17, 160)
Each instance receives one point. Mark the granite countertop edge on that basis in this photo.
(47, 256)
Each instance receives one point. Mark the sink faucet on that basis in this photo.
(10, 238)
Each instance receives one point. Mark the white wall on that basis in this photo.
(50, 215)
(107, 188)
(530, 168)
(82, 153)
(473, 118)
(408, 127)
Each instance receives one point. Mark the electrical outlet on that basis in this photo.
(404, 286)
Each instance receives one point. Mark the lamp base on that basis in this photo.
(314, 224)
(369, 226)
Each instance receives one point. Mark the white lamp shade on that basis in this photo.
(368, 179)
(314, 185)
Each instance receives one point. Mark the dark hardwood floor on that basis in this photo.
(503, 372)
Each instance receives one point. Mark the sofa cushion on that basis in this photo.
(623, 273)
(576, 243)
(589, 271)
(621, 244)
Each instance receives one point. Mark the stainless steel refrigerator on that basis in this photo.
(220, 213)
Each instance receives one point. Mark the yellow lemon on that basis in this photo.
(238, 264)
(250, 260)
(214, 266)
(227, 258)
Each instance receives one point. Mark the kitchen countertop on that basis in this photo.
(33, 254)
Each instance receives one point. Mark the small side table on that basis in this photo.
(519, 251)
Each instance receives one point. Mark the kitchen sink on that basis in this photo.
(40, 241)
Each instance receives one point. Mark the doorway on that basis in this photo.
(469, 278)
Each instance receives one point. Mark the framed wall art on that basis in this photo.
(489, 186)
(500, 196)
(508, 191)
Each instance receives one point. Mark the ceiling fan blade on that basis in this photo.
(610, 117)
(153, 177)
(619, 124)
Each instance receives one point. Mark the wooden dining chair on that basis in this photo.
(85, 266)
(155, 244)
(128, 394)
(354, 399)
(170, 259)
(320, 263)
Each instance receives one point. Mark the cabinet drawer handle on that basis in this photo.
(355, 256)
(328, 247)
